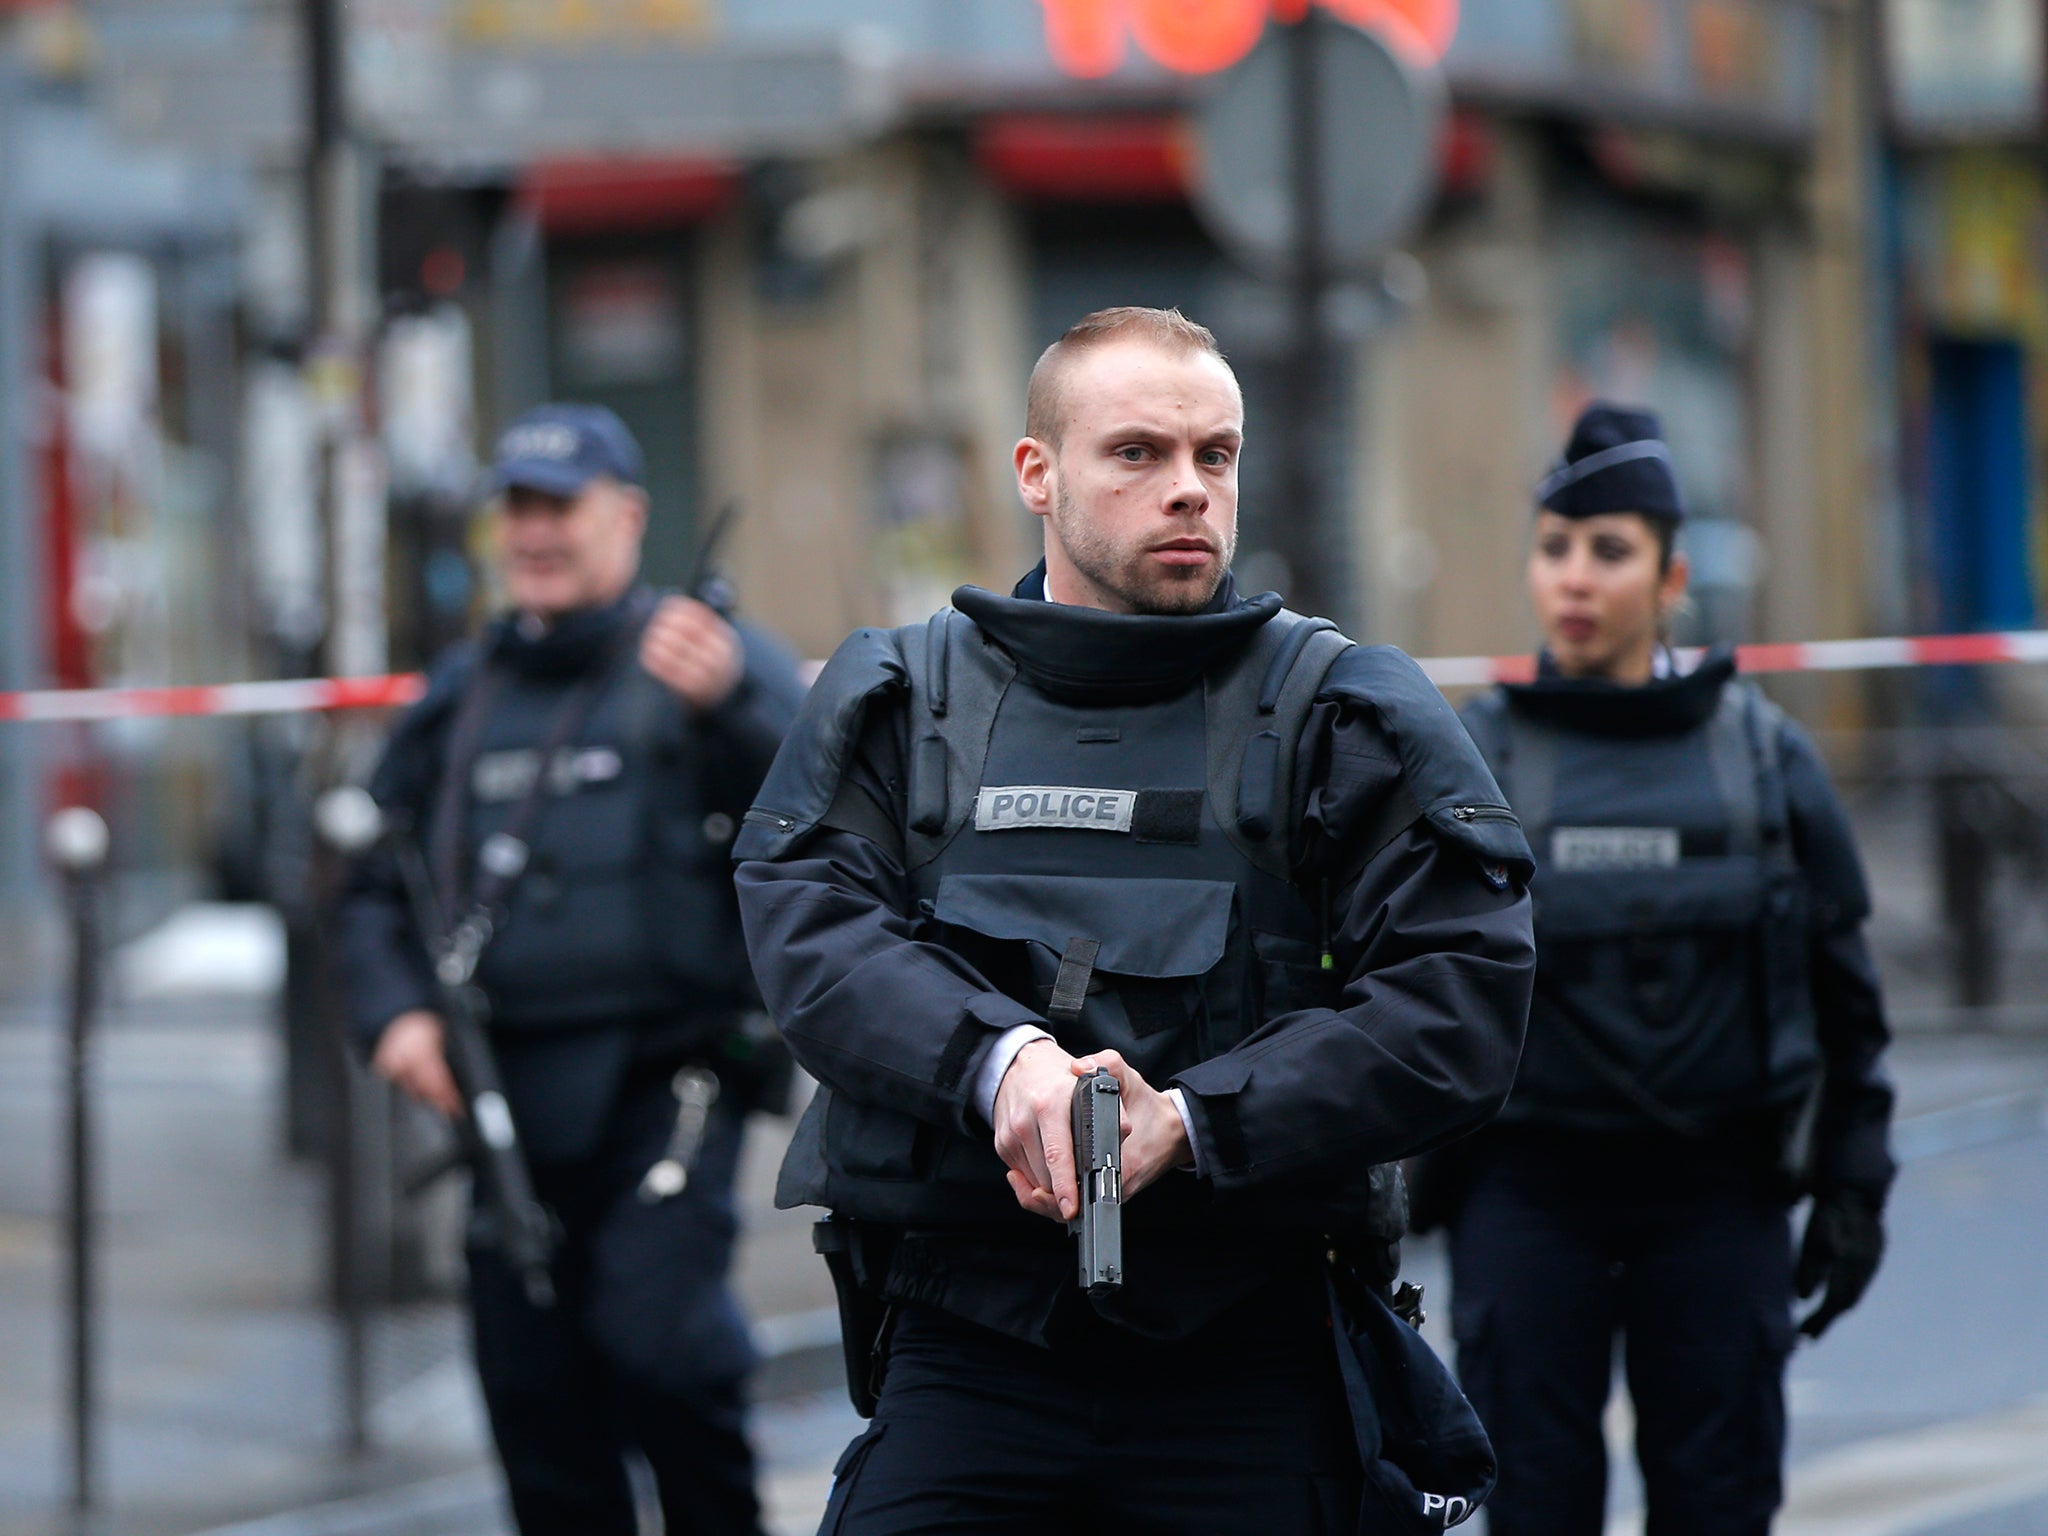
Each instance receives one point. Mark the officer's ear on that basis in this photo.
(1034, 464)
(633, 510)
(1672, 584)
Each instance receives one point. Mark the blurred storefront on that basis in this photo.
(809, 248)
(814, 272)
(119, 540)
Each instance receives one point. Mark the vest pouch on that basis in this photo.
(573, 945)
(1659, 974)
(1159, 939)
(869, 1142)
(693, 935)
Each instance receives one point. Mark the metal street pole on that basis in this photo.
(338, 191)
(1310, 540)
(76, 839)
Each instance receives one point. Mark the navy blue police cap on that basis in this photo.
(1616, 461)
(559, 449)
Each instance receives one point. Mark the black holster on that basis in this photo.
(858, 1254)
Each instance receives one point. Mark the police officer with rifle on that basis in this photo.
(1126, 820)
(1704, 1047)
(545, 947)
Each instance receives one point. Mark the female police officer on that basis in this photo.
(1703, 1046)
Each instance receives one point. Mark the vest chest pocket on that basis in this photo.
(1159, 940)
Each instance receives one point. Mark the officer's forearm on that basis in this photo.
(866, 1009)
(749, 726)
(1428, 1057)
(1856, 1097)
(383, 968)
(1421, 1048)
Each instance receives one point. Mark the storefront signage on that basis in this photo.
(1092, 38)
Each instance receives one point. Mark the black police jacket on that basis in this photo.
(1699, 904)
(898, 931)
(624, 920)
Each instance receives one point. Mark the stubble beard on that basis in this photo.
(1129, 575)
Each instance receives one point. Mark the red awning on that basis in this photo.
(609, 196)
(1125, 157)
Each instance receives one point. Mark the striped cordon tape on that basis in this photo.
(310, 693)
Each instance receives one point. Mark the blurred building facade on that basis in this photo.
(809, 248)
(1968, 237)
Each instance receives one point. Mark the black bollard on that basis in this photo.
(76, 839)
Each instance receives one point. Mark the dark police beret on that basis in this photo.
(1616, 461)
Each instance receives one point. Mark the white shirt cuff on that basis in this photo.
(997, 1062)
(1180, 1102)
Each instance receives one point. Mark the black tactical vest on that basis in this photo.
(625, 908)
(1154, 828)
(1671, 917)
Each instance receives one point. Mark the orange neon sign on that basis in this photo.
(1091, 38)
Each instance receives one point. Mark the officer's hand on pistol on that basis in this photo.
(1155, 1136)
(692, 651)
(1034, 1126)
(410, 1054)
(1842, 1248)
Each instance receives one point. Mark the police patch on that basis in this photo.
(1585, 848)
(1012, 806)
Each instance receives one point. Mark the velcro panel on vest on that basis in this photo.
(804, 779)
(1167, 816)
(1440, 766)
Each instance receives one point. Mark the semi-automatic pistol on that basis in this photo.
(1099, 1162)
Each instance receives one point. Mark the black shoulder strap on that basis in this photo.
(1764, 722)
(1524, 763)
(451, 798)
(957, 683)
(1257, 706)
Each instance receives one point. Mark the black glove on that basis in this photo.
(1843, 1243)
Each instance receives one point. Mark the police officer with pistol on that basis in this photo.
(1124, 820)
(545, 947)
(1702, 1051)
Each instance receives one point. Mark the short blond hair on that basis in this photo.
(1167, 329)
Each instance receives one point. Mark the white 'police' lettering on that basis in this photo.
(1451, 1508)
(538, 440)
(499, 777)
(1078, 808)
(1583, 848)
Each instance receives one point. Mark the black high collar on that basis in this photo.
(1084, 653)
(574, 643)
(1664, 706)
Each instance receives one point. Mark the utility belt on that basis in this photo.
(755, 1071)
(745, 1067)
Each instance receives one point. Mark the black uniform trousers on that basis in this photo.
(1239, 1430)
(643, 1351)
(1562, 1243)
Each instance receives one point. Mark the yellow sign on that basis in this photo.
(1988, 224)
(502, 22)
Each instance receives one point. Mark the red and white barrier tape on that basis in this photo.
(1800, 656)
(1445, 671)
(276, 698)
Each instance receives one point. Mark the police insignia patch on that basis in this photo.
(1011, 807)
(1583, 848)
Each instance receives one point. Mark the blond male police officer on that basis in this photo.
(1125, 817)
